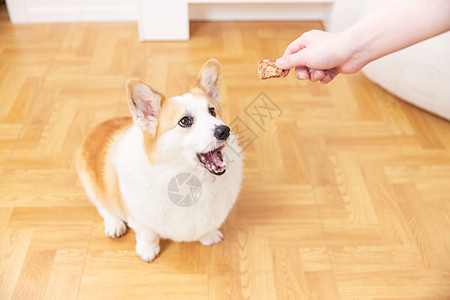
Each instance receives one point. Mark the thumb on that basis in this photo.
(292, 60)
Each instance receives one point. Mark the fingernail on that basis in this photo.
(279, 62)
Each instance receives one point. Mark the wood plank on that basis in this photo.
(345, 191)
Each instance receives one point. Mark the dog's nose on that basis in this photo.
(222, 132)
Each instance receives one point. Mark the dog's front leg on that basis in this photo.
(147, 242)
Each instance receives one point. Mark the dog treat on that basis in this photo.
(267, 69)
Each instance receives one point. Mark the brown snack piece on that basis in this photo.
(267, 69)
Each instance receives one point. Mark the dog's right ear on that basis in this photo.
(144, 103)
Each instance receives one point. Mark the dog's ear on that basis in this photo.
(144, 103)
(209, 79)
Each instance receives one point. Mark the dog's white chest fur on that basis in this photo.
(144, 188)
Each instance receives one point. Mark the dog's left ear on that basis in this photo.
(209, 79)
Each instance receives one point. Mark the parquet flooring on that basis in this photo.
(346, 190)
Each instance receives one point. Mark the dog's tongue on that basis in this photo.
(213, 161)
(216, 157)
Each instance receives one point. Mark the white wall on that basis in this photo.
(152, 14)
(171, 18)
(345, 13)
(36, 11)
(50, 11)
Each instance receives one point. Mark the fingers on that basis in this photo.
(295, 46)
(291, 61)
(299, 55)
(329, 75)
(301, 73)
(327, 78)
(324, 76)
(316, 75)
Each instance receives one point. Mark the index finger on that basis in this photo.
(295, 46)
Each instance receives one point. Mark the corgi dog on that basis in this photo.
(163, 171)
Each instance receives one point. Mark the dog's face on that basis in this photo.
(188, 127)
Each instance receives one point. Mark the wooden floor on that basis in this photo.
(346, 190)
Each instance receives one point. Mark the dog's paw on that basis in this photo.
(147, 252)
(214, 237)
(114, 227)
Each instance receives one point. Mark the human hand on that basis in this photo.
(320, 56)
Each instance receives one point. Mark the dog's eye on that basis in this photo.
(186, 121)
(212, 111)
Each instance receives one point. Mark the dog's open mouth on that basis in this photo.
(213, 160)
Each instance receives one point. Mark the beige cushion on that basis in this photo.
(419, 74)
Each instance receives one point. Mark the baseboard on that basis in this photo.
(259, 12)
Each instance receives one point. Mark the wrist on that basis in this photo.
(357, 50)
